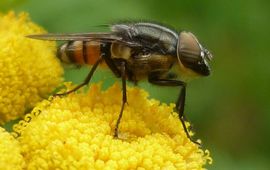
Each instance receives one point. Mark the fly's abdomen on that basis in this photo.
(79, 52)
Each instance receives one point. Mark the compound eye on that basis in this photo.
(191, 54)
(188, 47)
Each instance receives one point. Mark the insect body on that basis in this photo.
(136, 51)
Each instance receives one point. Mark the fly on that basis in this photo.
(137, 51)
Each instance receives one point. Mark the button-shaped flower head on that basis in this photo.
(29, 70)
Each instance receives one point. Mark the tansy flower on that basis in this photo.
(76, 132)
(29, 70)
(11, 158)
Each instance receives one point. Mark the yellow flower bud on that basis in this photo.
(29, 70)
(10, 151)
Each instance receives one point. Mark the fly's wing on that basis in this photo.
(75, 37)
(97, 36)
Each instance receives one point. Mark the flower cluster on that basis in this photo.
(29, 70)
(10, 151)
(77, 132)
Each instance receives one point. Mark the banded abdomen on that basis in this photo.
(80, 52)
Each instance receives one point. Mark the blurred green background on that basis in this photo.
(229, 110)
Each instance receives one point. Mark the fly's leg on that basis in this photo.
(180, 108)
(180, 104)
(124, 97)
(86, 81)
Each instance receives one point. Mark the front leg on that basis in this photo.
(180, 104)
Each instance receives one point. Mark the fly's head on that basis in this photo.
(192, 56)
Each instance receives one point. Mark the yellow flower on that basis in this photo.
(76, 132)
(11, 158)
(29, 70)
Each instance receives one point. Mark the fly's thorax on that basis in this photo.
(120, 51)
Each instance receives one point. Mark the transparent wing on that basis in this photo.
(75, 37)
(97, 36)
